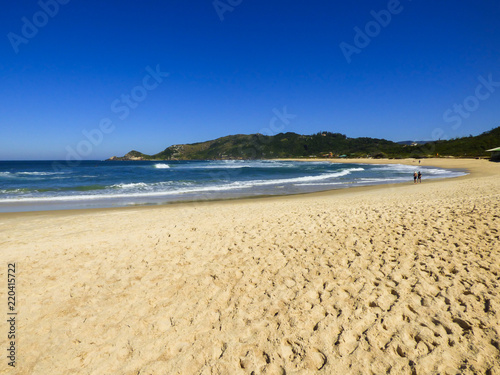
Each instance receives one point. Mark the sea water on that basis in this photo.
(49, 185)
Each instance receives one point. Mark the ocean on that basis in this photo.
(52, 185)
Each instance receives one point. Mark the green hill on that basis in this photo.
(292, 145)
(469, 146)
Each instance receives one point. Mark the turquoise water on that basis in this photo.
(49, 185)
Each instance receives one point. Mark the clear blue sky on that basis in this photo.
(230, 67)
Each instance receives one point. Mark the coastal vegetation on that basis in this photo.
(322, 144)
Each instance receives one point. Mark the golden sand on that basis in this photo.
(399, 279)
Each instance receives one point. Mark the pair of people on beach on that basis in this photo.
(417, 177)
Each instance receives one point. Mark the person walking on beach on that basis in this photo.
(415, 177)
(419, 177)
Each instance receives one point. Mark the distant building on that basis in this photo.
(495, 153)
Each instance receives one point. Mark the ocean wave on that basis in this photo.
(237, 164)
(410, 169)
(322, 183)
(15, 191)
(442, 172)
(397, 168)
(197, 187)
(382, 179)
(137, 190)
(358, 169)
(130, 185)
(39, 173)
(161, 166)
(21, 174)
(142, 186)
(293, 180)
(82, 188)
(165, 188)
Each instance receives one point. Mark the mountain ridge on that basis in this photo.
(321, 144)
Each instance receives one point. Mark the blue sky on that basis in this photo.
(421, 70)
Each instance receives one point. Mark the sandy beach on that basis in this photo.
(399, 279)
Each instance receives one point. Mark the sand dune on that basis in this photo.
(401, 279)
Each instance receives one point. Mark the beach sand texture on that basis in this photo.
(397, 279)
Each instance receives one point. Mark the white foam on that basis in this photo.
(359, 169)
(396, 168)
(161, 166)
(13, 191)
(374, 179)
(131, 185)
(229, 166)
(141, 186)
(321, 177)
(236, 164)
(322, 183)
(435, 171)
(22, 174)
(39, 173)
(426, 171)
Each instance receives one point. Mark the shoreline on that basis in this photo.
(399, 278)
(436, 162)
